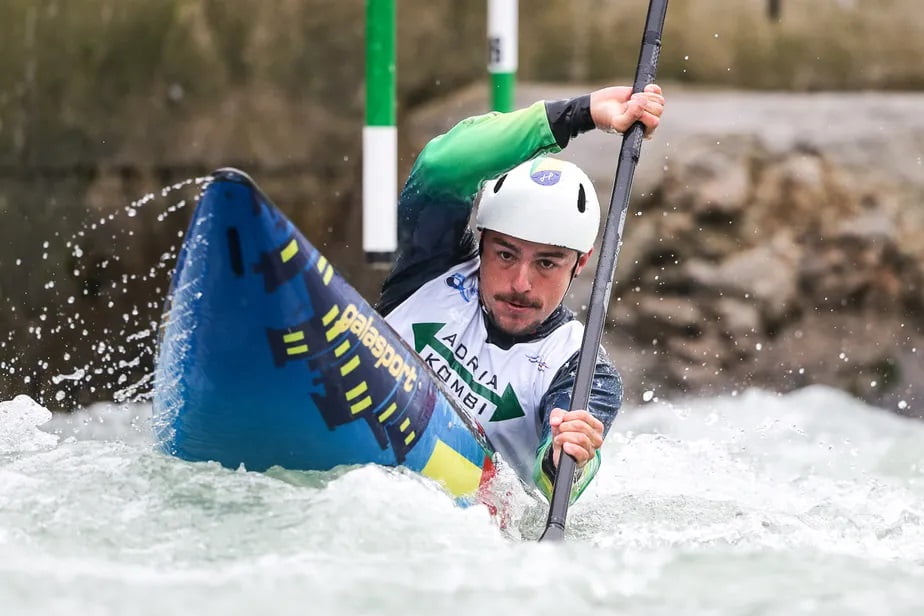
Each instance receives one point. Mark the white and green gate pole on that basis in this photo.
(502, 52)
(380, 136)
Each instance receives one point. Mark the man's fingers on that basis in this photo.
(580, 455)
(581, 425)
(637, 110)
(654, 107)
(576, 438)
(555, 419)
(616, 108)
(577, 446)
(557, 415)
(580, 429)
(584, 416)
(578, 433)
(654, 97)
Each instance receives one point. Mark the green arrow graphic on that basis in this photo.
(507, 406)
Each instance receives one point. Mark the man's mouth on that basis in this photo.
(517, 304)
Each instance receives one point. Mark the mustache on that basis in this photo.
(519, 299)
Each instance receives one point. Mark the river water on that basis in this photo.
(755, 503)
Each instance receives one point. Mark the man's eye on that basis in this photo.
(504, 255)
(547, 265)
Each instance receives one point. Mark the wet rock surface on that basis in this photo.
(793, 271)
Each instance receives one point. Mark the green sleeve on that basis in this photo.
(582, 477)
(481, 148)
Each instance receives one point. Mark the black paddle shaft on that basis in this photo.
(603, 278)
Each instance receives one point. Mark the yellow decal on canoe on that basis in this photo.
(385, 354)
(456, 472)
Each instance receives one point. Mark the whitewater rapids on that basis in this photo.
(755, 503)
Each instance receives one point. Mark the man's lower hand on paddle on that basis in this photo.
(579, 433)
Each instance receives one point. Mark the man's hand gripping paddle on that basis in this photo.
(603, 279)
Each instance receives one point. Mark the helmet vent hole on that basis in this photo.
(582, 199)
(499, 183)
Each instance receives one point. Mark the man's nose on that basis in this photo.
(522, 281)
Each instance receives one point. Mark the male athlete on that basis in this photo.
(496, 302)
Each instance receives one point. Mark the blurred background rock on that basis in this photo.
(778, 241)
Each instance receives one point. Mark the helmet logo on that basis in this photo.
(546, 171)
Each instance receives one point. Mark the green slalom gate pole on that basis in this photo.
(380, 135)
(502, 52)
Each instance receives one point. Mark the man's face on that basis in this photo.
(522, 282)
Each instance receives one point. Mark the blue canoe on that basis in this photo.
(267, 357)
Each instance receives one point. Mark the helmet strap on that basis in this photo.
(573, 273)
(576, 261)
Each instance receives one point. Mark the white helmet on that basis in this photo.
(544, 200)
